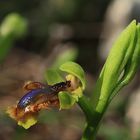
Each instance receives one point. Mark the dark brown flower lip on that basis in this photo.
(37, 98)
(47, 92)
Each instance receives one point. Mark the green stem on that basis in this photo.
(89, 133)
(88, 111)
(86, 107)
(93, 117)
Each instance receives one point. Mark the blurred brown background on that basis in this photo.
(60, 30)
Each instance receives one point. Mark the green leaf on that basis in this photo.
(131, 67)
(76, 70)
(119, 57)
(97, 90)
(134, 61)
(66, 100)
(52, 76)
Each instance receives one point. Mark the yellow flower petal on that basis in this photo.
(28, 123)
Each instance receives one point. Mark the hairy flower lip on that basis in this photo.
(20, 114)
(38, 91)
(41, 102)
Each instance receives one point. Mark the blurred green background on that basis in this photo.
(37, 35)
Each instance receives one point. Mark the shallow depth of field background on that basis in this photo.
(60, 30)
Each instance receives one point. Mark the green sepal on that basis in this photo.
(66, 100)
(52, 76)
(76, 70)
(118, 58)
